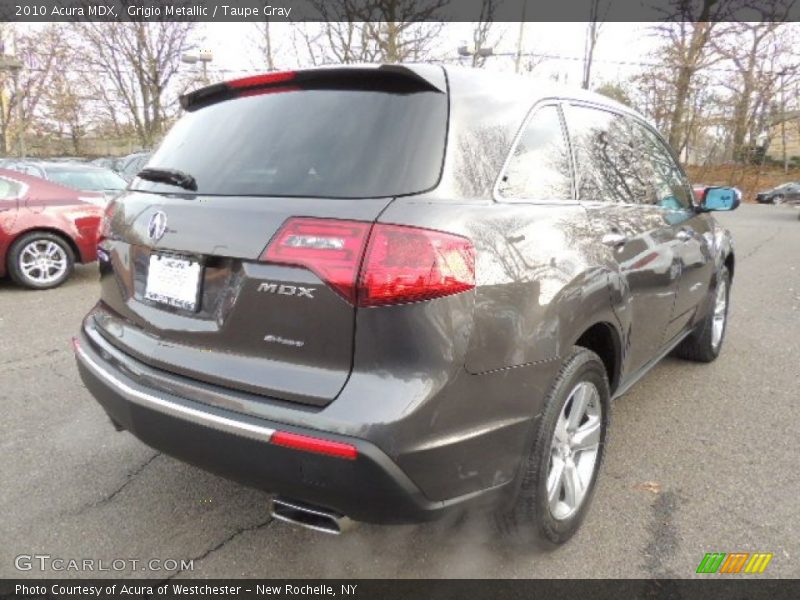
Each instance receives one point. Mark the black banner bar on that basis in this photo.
(399, 10)
(708, 588)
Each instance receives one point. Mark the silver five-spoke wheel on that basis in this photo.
(574, 450)
(720, 314)
(43, 262)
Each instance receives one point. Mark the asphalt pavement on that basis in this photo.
(702, 458)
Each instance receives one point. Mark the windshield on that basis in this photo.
(86, 179)
(317, 143)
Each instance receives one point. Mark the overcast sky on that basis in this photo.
(233, 49)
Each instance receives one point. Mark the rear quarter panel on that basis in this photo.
(541, 279)
(463, 378)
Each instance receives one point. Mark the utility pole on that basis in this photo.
(589, 43)
(521, 35)
(14, 65)
(785, 156)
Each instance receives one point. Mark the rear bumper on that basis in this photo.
(371, 488)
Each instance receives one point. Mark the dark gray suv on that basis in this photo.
(388, 292)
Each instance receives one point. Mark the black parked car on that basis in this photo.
(784, 193)
(386, 293)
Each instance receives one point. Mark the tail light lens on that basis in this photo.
(408, 264)
(400, 264)
(330, 248)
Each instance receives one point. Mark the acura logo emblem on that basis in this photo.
(157, 225)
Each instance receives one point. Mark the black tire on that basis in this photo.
(777, 199)
(699, 345)
(15, 256)
(530, 521)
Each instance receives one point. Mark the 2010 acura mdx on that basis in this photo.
(388, 292)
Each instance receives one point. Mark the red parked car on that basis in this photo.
(45, 228)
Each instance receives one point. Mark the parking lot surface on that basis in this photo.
(702, 458)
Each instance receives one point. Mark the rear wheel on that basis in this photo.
(705, 343)
(40, 260)
(561, 469)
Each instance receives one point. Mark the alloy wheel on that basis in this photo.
(574, 451)
(43, 262)
(720, 314)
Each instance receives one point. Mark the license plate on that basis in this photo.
(173, 281)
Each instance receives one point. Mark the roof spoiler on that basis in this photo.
(396, 78)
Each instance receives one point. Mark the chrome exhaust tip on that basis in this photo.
(310, 516)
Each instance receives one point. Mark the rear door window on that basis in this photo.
(607, 167)
(335, 143)
(539, 168)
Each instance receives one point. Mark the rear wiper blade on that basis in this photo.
(171, 176)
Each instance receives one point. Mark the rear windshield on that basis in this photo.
(318, 143)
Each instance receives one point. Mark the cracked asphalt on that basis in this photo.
(701, 458)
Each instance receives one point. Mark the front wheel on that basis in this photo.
(777, 200)
(40, 260)
(560, 471)
(705, 342)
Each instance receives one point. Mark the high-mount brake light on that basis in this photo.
(259, 80)
(400, 264)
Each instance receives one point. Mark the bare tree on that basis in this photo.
(66, 109)
(616, 91)
(138, 61)
(264, 45)
(761, 52)
(686, 51)
(481, 32)
(21, 92)
(372, 30)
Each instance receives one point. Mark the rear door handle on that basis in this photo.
(615, 239)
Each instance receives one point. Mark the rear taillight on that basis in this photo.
(104, 230)
(400, 263)
(330, 248)
(408, 264)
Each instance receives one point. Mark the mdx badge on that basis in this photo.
(286, 290)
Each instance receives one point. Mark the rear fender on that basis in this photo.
(77, 228)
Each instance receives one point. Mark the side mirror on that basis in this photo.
(719, 198)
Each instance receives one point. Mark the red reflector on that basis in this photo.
(258, 80)
(330, 248)
(408, 264)
(312, 444)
